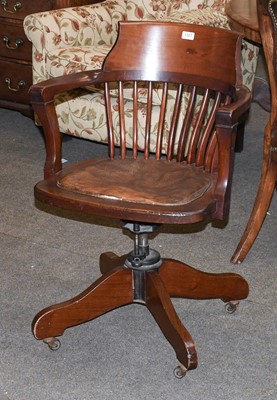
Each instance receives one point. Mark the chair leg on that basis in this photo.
(181, 280)
(258, 214)
(110, 291)
(161, 307)
(109, 260)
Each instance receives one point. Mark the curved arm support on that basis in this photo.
(227, 120)
(44, 92)
(42, 96)
(231, 114)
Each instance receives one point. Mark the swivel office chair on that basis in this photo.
(155, 70)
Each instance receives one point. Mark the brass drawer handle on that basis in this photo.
(17, 43)
(21, 85)
(16, 6)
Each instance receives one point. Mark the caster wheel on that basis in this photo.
(231, 307)
(180, 371)
(53, 343)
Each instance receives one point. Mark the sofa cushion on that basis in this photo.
(75, 59)
(206, 17)
(161, 9)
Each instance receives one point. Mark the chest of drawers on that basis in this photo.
(16, 50)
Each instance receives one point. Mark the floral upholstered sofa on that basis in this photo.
(76, 39)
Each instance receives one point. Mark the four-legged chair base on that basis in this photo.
(119, 286)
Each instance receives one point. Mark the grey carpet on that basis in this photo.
(47, 256)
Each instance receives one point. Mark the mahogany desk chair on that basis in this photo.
(267, 15)
(145, 190)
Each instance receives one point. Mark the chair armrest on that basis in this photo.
(45, 91)
(231, 114)
(42, 96)
(89, 25)
(227, 119)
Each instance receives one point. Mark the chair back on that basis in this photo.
(171, 93)
(192, 50)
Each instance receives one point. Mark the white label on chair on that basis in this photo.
(188, 35)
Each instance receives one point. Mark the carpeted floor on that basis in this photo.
(47, 256)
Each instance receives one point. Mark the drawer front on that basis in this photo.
(13, 42)
(15, 80)
(20, 8)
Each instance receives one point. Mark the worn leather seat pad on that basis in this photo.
(148, 181)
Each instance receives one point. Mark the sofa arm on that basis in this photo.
(71, 27)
